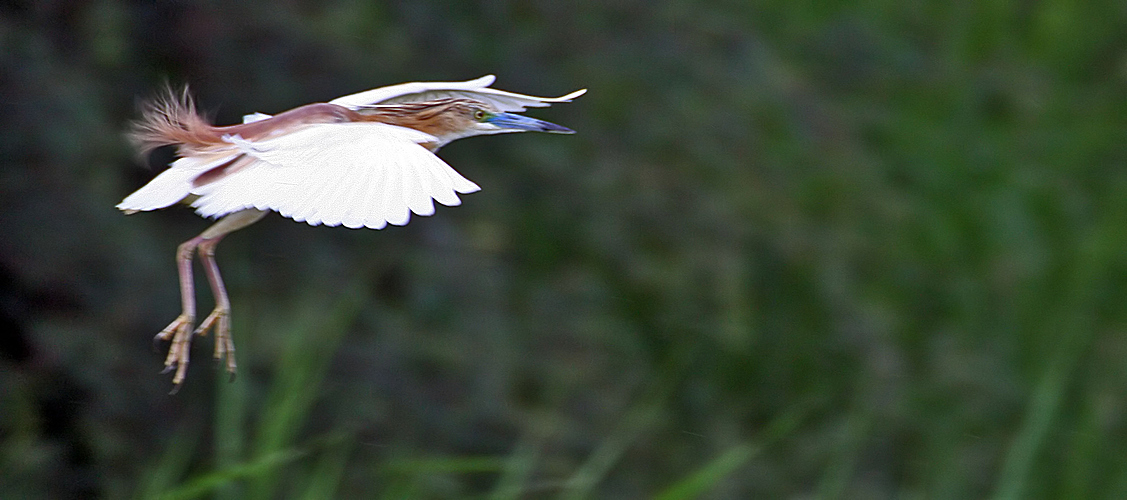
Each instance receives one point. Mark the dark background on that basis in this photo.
(796, 250)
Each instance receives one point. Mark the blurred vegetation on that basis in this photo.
(797, 249)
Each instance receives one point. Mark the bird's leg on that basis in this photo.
(180, 330)
(220, 317)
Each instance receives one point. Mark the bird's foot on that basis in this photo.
(220, 321)
(180, 333)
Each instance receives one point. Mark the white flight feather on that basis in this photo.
(336, 174)
(174, 184)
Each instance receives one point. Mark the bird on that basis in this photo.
(364, 160)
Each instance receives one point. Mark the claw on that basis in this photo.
(220, 321)
(180, 332)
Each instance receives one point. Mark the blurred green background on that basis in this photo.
(796, 250)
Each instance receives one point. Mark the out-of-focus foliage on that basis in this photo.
(796, 249)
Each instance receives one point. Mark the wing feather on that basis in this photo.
(373, 201)
(428, 91)
(415, 195)
(174, 184)
(354, 196)
(395, 210)
(333, 190)
(358, 174)
(383, 94)
(477, 89)
(353, 218)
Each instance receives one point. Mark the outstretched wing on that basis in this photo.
(175, 183)
(362, 174)
(428, 91)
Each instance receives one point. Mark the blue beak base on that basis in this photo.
(523, 123)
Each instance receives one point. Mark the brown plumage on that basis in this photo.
(172, 120)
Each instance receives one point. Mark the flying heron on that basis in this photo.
(363, 160)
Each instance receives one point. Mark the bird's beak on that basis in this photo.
(517, 122)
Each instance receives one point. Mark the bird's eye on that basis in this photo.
(479, 115)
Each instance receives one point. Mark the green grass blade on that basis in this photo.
(311, 345)
(173, 464)
(210, 482)
(581, 484)
(518, 468)
(1074, 333)
(230, 435)
(445, 465)
(326, 477)
(1038, 421)
(708, 476)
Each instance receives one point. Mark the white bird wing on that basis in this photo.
(428, 91)
(174, 184)
(363, 174)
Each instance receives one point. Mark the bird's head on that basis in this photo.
(468, 117)
(452, 119)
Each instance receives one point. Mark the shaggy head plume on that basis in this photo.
(171, 120)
